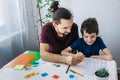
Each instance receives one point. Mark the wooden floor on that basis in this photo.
(118, 76)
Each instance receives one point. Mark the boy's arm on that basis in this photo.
(106, 56)
(78, 56)
(67, 52)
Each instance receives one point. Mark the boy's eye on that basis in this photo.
(92, 36)
(85, 36)
(89, 36)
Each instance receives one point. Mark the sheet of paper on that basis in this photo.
(89, 66)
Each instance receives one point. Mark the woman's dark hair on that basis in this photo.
(90, 25)
(59, 12)
(54, 6)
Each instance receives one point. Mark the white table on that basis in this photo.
(48, 69)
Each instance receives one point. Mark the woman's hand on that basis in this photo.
(75, 59)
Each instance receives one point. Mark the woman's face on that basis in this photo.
(89, 38)
(64, 28)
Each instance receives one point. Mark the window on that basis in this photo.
(11, 18)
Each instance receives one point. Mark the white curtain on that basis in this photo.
(13, 29)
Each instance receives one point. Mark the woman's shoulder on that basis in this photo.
(75, 25)
(47, 26)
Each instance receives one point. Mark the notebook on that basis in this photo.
(22, 59)
(36, 53)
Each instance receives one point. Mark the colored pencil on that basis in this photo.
(76, 73)
(67, 69)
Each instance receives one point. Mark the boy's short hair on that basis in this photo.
(90, 25)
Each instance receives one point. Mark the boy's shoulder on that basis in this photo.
(81, 39)
(98, 38)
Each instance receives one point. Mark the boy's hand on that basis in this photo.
(79, 56)
(71, 60)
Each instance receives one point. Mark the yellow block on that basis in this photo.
(31, 75)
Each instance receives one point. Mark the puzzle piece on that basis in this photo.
(55, 76)
(31, 75)
(44, 74)
(19, 67)
(71, 76)
(58, 65)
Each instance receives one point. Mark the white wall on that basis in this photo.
(107, 12)
(31, 8)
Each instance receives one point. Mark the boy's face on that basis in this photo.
(89, 38)
(64, 27)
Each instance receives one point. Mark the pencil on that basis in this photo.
(67, 69)
(84, 61)
(76, 73)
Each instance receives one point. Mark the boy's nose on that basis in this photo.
(89, 40)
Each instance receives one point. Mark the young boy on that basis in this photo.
(90, 44)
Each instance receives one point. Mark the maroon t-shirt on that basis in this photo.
(56, 44)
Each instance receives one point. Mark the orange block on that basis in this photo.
(22, 59)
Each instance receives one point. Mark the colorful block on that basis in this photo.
(19, 67)
(55, 76)
(44, 74)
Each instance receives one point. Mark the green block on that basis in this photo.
(36, 53)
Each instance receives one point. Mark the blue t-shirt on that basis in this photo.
(88, 50)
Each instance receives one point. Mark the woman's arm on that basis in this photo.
(48, 56)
